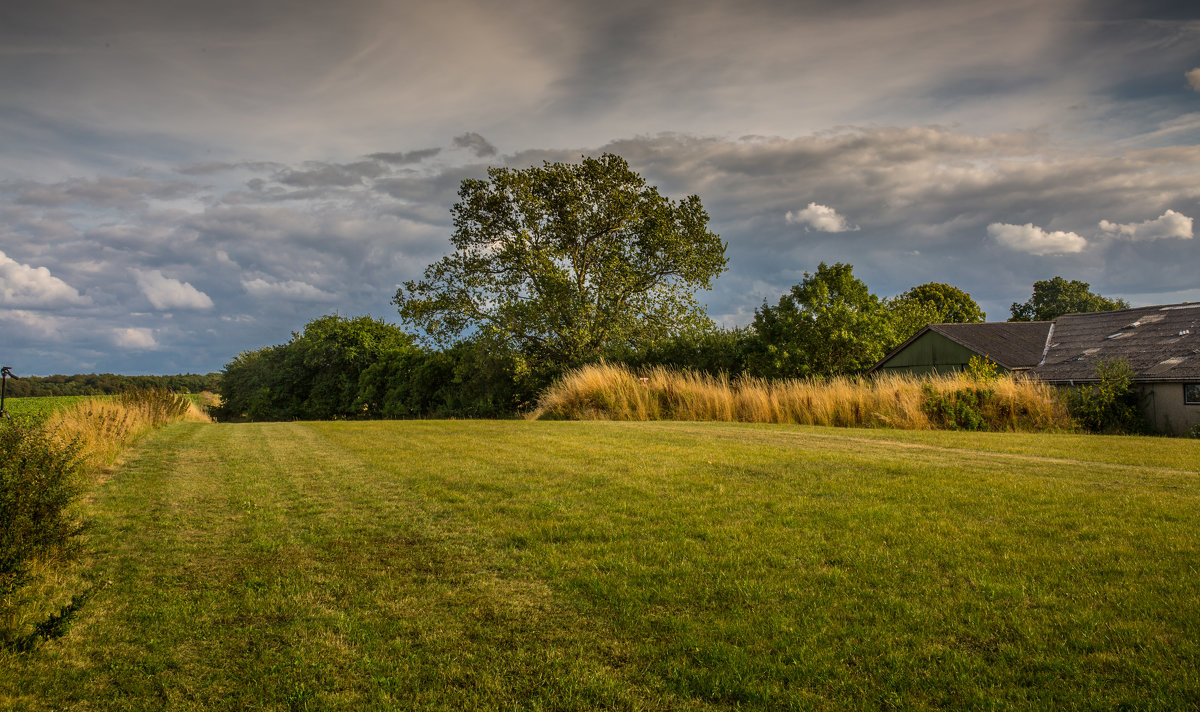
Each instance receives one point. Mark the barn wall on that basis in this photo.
(929, 353)
(1166, 410)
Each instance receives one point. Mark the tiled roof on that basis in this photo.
(1014, 345)
(1160, 343)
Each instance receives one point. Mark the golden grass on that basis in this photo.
(104, 427)
(614, 392)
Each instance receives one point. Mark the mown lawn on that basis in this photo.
(565, 565)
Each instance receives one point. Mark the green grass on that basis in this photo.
(568, 565)
(44, 405)
(39, 405)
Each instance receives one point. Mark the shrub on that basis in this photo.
(40, 478)
(983, 369)
(1112, 404)
(958, 410)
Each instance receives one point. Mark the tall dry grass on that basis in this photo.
(104, 427)
(613, 392)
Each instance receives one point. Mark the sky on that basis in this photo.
(184, 181)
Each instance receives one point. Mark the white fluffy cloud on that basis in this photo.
(291, 289)
(167, 293)
(1193, 78)
(1168, 225)
(134, 339)
(821, 218)
(1034, 240)
(25, 286)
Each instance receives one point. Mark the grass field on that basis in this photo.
(38, 405)
(567, 565)
(45, 405)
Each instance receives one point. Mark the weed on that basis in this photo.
(1111, 405)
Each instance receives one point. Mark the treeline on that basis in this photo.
(338, 367)
(101, 384)
(829, 325)
(341, 367)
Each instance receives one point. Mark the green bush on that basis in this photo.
(960, 410)
(1112, 404)
(40, 478)
(983, 369)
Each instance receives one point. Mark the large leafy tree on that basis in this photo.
(827, 325)
(563, 261)
(950, 304)
(1054, 297)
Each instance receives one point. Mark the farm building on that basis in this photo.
(946, 348)
(1160, 343)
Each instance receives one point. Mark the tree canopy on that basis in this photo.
(313, 376)
(828, 324)
(950, 304)
(562, 261)
(1054, 297)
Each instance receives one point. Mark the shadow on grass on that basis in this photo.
(56, 626)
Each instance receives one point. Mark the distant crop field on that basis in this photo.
(617, 565)
(35, 405)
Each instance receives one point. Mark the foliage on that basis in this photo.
(313, 376)
(712, 351)
(92, 384)
(961, 409)
(40, 478)
(563, 261)
(470, 379)
(982, 369)
(1112, 404)
(903, 318)
(951, 305)
(1054, 297)
(827, 325)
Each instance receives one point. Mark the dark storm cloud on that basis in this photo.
(103, 192)
(476, 144)
(317, 175)
(404, 158)
(214, 167)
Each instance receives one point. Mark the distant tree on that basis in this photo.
(950, 304)
(563, 261)
(1054, 297)
(827, 325)
(91, 384)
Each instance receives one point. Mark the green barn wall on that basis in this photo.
(929, 353)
